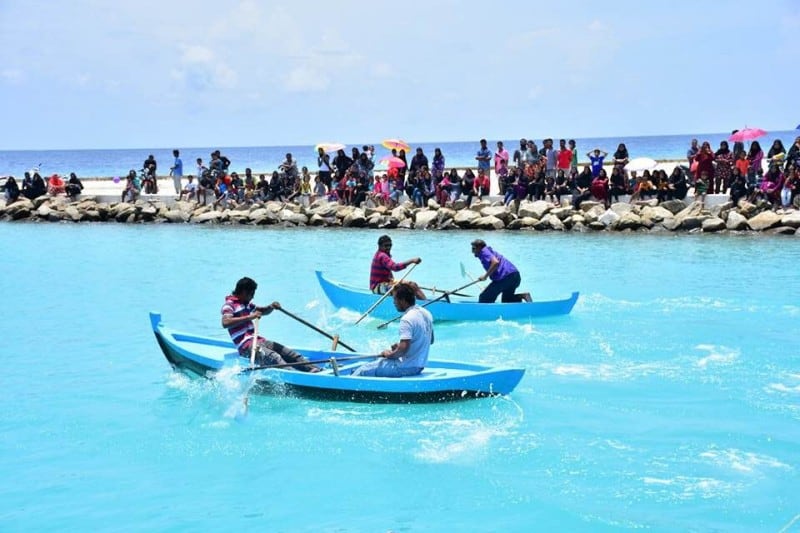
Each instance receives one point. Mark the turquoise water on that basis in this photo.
(669, 399)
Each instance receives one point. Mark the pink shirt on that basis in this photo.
(501, 155)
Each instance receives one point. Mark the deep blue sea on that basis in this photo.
(111, 163)
(668, 400)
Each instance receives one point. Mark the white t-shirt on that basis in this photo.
(416, 326)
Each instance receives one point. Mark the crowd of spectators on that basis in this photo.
(532, 173)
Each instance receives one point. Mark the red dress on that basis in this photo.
(705, 163)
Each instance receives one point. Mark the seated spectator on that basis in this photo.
(149, 185)
(319, 190)
(616, 184)
(482, 184)
(190, 190)
(132, 189)
(204, 186)
(738, 186)
(599, 188)
(56, 185)
(12, 190)
(38, 187)
(74, 186)
(582, 189)
(678, 186)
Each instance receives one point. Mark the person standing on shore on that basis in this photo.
(596, 158)
(519, 154)
(484, 157)
(238, 313)
(381, 279)
(324, 166)
(409, 355)
(501, 162)
(551, 160)
(563, 157)
(573, 167)
(504, 275)
(176, 171)
(691, 157)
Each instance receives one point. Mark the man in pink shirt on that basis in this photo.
(500, 156)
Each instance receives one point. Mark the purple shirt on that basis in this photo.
(503, 269)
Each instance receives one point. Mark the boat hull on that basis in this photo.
(359, 300)
(441, 381)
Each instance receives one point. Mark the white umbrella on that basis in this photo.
(641, 163)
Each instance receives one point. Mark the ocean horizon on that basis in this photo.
(111, 162)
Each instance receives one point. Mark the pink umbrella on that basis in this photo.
(747, 134)
(392, 162)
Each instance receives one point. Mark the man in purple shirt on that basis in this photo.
(504, 275)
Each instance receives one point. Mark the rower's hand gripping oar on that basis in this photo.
(334, 338)
(386, 294)
(429, 302)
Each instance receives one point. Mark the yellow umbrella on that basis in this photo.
(396, 144)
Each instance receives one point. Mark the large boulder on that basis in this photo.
(466, 218)
(791, 219)
(537, 209)
(764, 220)
(630, 221)
(549, 222)
(209, 217)
(674, 206)
(609, 218)
(736, 221)
(298, 218)
(713, 224)
(73, 214)
(177, 216)
(497, 211)
(656, 214)
(490, 222)
(354, 218)
(424, 218)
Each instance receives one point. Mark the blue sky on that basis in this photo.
(98, 74)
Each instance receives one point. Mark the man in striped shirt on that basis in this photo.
(238, 313)
(381, 279)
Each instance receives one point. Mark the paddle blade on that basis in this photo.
(463, 271)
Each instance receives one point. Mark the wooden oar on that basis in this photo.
(253, 343)
(334, 338)
(429, 302)
(314, 362)
(465, 274)
(386, 294)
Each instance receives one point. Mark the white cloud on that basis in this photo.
(305, 79)
(200, 70)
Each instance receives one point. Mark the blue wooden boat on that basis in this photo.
(440, 381)
(458, 308)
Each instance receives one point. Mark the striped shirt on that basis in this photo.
(242, 332)
(381, 269)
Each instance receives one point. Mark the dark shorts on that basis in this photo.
(505, 286)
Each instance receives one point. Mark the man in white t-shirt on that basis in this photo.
(409, 356)
(190, 190)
